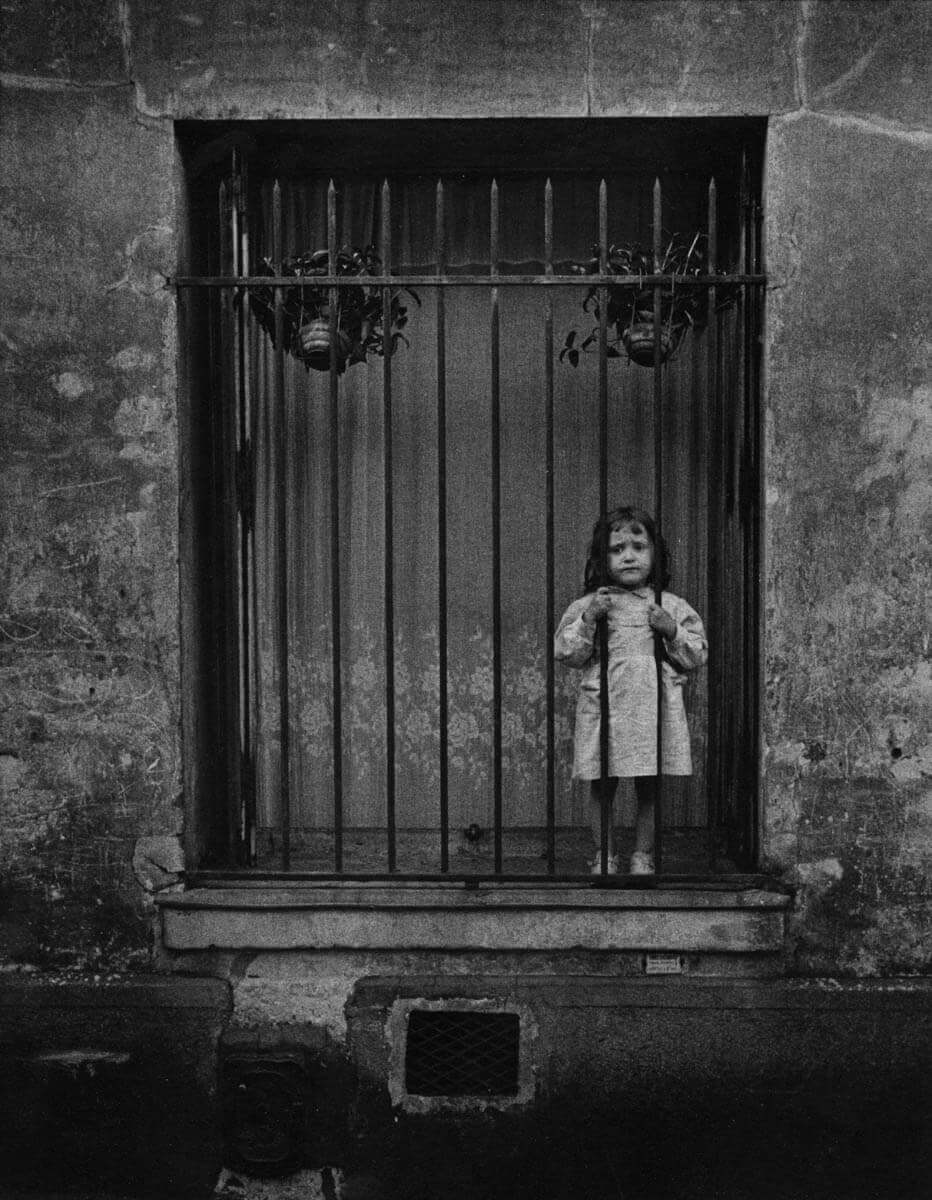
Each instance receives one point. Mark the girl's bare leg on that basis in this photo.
(645, 793)
(595, 812)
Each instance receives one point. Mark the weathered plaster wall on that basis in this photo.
(89, 744)
(848, 759)
(89, 683)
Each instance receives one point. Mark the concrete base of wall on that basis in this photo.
(681, 1088)
(111, 1086)
(673, 1088)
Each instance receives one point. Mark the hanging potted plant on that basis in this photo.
(306, 309)
(630, 311)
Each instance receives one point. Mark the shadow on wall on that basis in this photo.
(706, 1144)
(110, 1087)
(771, 1145)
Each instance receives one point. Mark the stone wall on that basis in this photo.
(89, 741)
(89, 758)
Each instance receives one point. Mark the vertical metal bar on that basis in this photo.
(252, 428)
(495, 334)
(658, 517)
(245, 493)
(281, 503)
(444, 695)
(389, 529)
(749, 513)
(239, 532)
(759, 300)
(335, 603)
(602, 623)
(734, 607)
(549, 532)
(716, 692)
(223, 453)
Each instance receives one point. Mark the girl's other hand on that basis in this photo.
(660, 620)
(599, 604)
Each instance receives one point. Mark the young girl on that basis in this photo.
(621, 586)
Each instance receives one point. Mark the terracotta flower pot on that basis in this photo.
(312, 345)
(638, 340)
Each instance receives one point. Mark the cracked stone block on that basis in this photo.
(158, 862)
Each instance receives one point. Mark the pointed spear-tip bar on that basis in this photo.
(549, 537)
(389, 552)
(602, 624)
(496, 503)
(715, 454)
(442, 624)
(658, 518)
(712, 232)
(281, 517)
(336, 644)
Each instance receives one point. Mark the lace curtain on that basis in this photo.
(526, 639)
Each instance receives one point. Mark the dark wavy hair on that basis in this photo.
(596, 575)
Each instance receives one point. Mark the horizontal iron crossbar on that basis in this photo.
(323, 281)
(248, 878)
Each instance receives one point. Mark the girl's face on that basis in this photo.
(630, 556)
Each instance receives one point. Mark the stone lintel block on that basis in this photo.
(845, 275)
(686, 59)
(407, 59)
(869, 59)
(75, 40)
(88, 213)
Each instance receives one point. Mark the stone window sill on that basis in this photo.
(448, 916)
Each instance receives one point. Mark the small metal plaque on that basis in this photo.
(663, 964)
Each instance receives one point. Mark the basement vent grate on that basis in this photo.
(457, 1053)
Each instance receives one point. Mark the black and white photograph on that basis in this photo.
(465, 600)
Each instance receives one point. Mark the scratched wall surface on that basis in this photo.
(849, 489)
(89, 684)
(89, 742)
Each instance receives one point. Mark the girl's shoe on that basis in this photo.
(642, 863)
(595, 865)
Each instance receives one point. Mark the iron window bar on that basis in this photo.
(387, 503)
(278, 393)
(748, 282)
(714, 484)
(335, 590)
(602, 623)
(496, 504)
(658, 517)
(549, 537)
(442, 598)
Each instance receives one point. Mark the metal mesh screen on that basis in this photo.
(453, 1053)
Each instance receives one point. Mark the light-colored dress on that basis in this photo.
(632, 684)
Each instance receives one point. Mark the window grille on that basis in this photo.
(468, 1053)
(266, 719)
